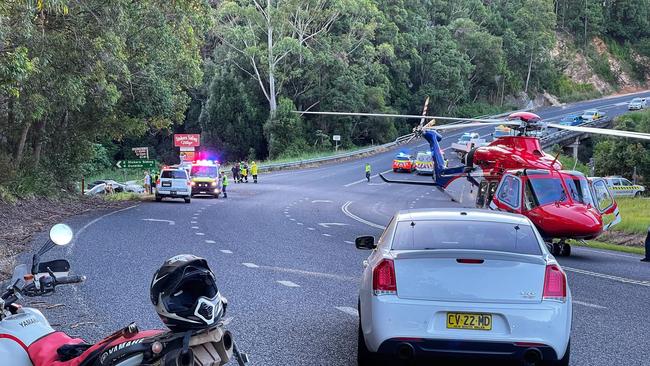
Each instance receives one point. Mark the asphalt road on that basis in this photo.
(284, 256)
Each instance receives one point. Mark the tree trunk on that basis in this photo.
(530, 67)
(38, 145)
(273, 106)
(21, 145)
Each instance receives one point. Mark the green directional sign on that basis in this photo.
(136, 164)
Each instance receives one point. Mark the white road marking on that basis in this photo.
(621, 103)
(349, 310)
(346, 211)
(210, 241)
(292, 219)
(226, 251)
(299, 223)
(609, 277)
(288, 283)
(170, 222)
(311, 273)
(589, 305)
(328, 235)
(193, 222)
(365, 180)
(321, 201)
(195, 227)
(327, 225)
(253, 265)
(349, 242)
(78, 233)
(200, 234)
(310, 228)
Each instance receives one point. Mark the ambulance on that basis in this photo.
(204, 175)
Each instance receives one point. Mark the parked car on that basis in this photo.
(99, 187)
(571, 120)
(621, 187)
(592, 115)
(636, 104)
(451, 282)
(173, 183)
(467, 142)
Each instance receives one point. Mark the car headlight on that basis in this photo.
(193, 183)
(213, 184)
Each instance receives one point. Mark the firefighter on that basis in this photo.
(244, 171)
(224, 184)
(254, 171)
(368, 170)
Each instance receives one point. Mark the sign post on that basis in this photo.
(187, 142)
(136, 164)
(141, 152)
(336, 139)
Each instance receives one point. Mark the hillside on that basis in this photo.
(144, 70)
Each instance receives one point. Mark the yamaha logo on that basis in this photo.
(119, 347)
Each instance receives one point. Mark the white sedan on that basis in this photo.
(462, 282)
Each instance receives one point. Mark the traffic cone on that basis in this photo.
(647, 248)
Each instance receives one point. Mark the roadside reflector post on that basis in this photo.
(647, 247)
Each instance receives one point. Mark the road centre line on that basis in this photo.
(589, 305)
(310, 273)
(348, 310)
(288, 283)
(170, 222)
(83, 228)
(200, 234)
(195, 227)
(250, 265)
(210, 241)
(609, 277)
(349, 242)
(226, 251)
(325, 234)
(346, 211)
(321, 201)
(365, 180)
(311, 228)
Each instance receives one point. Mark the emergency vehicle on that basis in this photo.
(621, 187)
(204, 175)
(424, 163)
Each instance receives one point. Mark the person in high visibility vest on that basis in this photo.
(368, 170)
(224, 184)
(254, 171)
(244, 172)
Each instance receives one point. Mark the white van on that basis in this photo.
(424, 163)
(174, 183)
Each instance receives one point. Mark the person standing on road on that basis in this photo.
(147, 182)
(224, 184)
(235, 172)
(254, 171)
(368, 170)
(244, 171)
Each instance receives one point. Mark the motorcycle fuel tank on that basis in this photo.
(18, 331)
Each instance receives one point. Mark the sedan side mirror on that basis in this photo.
(365, 242)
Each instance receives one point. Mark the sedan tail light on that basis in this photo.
(554, 283)
(383, 278)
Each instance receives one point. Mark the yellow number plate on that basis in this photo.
(469, 321)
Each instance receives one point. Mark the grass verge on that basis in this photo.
(635, 214)
(607, 246)
(128, 196)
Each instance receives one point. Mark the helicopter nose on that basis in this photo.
(570, 221)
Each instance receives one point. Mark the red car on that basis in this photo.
(404, 162)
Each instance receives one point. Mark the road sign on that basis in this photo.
(136, 164)
(187, 139)
(141, 152)
(336, 137)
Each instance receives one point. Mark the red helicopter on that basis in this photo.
(514, 174)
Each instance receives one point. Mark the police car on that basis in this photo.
(424, 163)
(621, 187)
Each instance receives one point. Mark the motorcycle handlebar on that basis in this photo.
(70, 279)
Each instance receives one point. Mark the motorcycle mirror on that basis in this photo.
(61, 234)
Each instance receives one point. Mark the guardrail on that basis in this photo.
(399, 140)
(564, 136)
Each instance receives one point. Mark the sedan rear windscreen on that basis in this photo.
(475, 235)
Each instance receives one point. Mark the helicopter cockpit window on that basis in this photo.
(548, 190)
(603, 197)
(509, 191)
(579, 190)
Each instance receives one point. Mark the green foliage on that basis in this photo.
(616, 156)
(568, 90)
(600, 65)
(284, 131)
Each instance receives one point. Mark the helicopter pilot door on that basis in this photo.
(508, 195)
(605, 203)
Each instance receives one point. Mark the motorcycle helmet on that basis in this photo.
(185, 294)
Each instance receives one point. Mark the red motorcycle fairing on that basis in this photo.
(43, 352)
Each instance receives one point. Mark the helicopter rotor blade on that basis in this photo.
(478, 124)
(603, 131)
(412, 182)
(408, 116)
